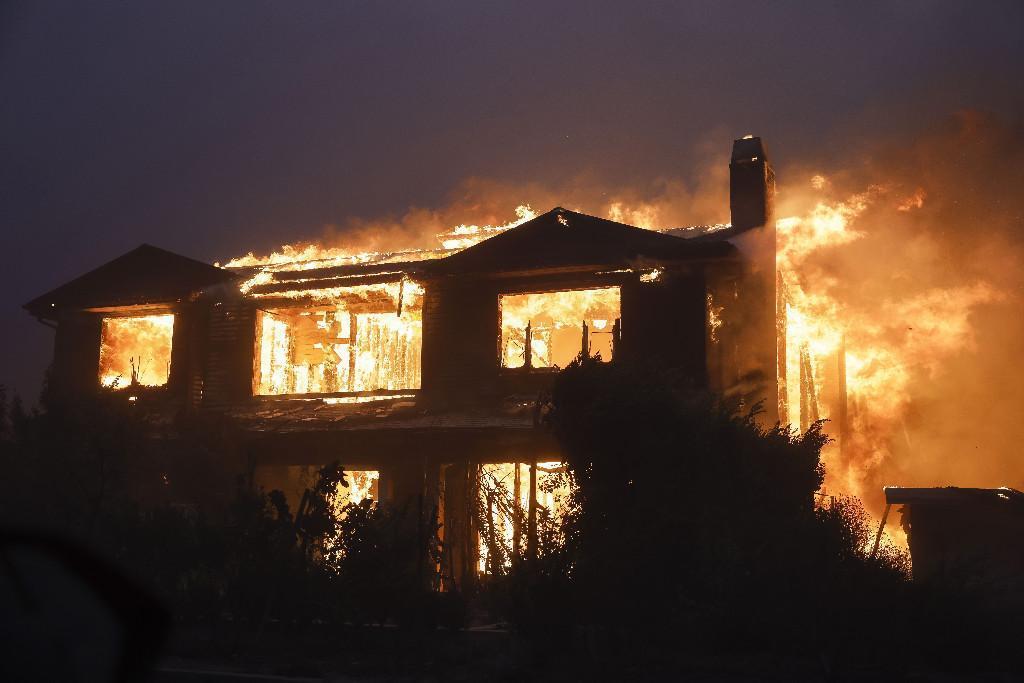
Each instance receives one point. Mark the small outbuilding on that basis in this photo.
(966, 538)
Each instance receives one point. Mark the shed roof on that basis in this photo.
(144, 275)
(953, 495)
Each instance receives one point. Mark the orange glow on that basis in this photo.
(362, 485)
(463, 236)
(293, 257)
(364, 339)
(557, 321)
(135, 351)
(880, 350)
(506, 509)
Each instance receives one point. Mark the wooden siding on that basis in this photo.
(230, 345)
(76, 355)
(460, 342)
(662, 321)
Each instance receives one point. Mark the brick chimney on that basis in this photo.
(753, 373)
(751, 184)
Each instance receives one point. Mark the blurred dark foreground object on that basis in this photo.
(68, 615)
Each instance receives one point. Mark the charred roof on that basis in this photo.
(557, 239)
(562, 238)
(144, 275)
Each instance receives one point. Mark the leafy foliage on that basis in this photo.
(692, 523)
(209, 545)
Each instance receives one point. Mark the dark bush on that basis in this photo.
(692, 524)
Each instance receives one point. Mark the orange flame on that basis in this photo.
(135, 350)
(883, 350)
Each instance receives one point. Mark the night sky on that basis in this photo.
(216, 128)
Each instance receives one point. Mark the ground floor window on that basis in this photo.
(505, 523)
(294, 480)
(361, 485)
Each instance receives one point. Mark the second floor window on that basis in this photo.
(549, 329)
(368, 340)
(135, 350)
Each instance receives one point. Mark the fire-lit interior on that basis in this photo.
(504, 497)
(363, 339)
(558, 325)
(362, 485)
(136, 350)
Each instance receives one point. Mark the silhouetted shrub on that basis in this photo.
(384, 559)
(693, 526)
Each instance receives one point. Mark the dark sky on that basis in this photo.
(215, 128)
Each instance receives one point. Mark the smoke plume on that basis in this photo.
(909, 253)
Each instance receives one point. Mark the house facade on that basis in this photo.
(422, 375)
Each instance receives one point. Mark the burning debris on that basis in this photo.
(369, 338)
(314, 256)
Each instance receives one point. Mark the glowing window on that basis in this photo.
(362, 485)
(503, 499)
(558, 325)
(363, 343)
(136, 350)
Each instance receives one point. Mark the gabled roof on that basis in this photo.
(145, 275)
(562, 238)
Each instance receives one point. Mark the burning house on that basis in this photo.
(420, 371)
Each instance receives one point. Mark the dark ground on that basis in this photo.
(481, 654)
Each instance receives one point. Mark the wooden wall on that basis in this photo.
(662, 321)
(229, 353)
(76, 356)
(460, 342)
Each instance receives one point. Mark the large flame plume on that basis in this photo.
(903, 261)
(902, 273)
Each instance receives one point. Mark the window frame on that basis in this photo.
(271, 307)
(141, 311)
(527, 366)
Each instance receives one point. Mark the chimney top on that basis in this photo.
(751, 185)
(748, 149)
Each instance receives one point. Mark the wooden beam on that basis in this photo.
(290, 284)
(531, 525)
(528, 350)
(382, 393)
(517, 513)
(881, 527)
